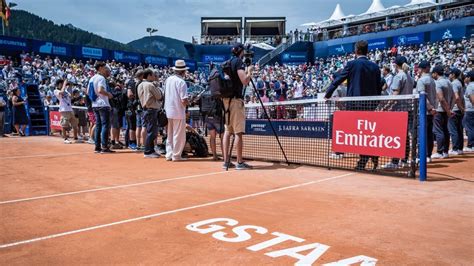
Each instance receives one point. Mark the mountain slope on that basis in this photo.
(27, 25)
(164, 46)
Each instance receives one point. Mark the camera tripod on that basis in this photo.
(265, 113)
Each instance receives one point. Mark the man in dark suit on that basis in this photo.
(363, 79)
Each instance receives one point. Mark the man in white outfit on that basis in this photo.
(176, 100)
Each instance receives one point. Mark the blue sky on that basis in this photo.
(126, 20)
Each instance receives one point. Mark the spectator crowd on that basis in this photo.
(70, 81)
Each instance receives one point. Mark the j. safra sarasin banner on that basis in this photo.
(370, 133)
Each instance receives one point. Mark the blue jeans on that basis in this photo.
(441, 132)
(102, 128)
(456, 131)
(469, 126)
(151, 125)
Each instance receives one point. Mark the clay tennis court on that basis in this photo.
(66, 205)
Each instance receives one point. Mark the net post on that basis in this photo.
(422, 140)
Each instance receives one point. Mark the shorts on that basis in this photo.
(235, 120)
(140, 119)
(116, 120)
(81, 116)
(68, 120)
(214, 123)
(131, 120)
(91, 118)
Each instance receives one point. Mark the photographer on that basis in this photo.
(118, 106)
(134, 112)
(235, 107)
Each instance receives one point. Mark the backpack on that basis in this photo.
(220, 81)
(198, 144)
(210, 106)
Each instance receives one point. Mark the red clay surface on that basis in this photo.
(397, 221)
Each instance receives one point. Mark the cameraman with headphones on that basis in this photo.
(235, 108)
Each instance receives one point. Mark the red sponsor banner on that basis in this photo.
(55, 120)
(370, 133)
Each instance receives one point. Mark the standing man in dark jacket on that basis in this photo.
(363, 79)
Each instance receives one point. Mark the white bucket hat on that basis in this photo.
(180, 65)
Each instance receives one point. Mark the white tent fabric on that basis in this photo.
(337, 14)
(421, 2)
(375, 7)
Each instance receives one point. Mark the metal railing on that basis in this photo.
(418, 18)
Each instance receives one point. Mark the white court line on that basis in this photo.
(10, 140)
(43, 155)
(110, 188)
(167, 212)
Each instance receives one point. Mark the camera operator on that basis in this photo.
(134, 112)
(235, 107)
(118, 106)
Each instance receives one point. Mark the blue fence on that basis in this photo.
(13, 44)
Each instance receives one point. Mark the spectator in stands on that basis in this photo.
(469, 114)
(455, 121)
(363, 79)
(175, 105)
(79, 101)
(20, 119)
(150, 96)
(101, 107)
(445, 94)
(68, 119)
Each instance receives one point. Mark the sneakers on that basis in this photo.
(107, 151)
(117, 146)
(152, 156)
(455, 152)
(90, 141)
(169, 159)
(391, 166)
(78, 141)
(132, 146)
(66, 141)
(181, 159)
(231, 165)
(243, 166)
(467, 149)
(439, 156)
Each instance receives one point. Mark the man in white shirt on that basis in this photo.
(68, 119)
(176, 100)
(98, 91)
(299, 88)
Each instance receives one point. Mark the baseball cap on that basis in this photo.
(438, 70)
(237, 48)
(400, 60)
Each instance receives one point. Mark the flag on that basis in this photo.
(4, 11)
